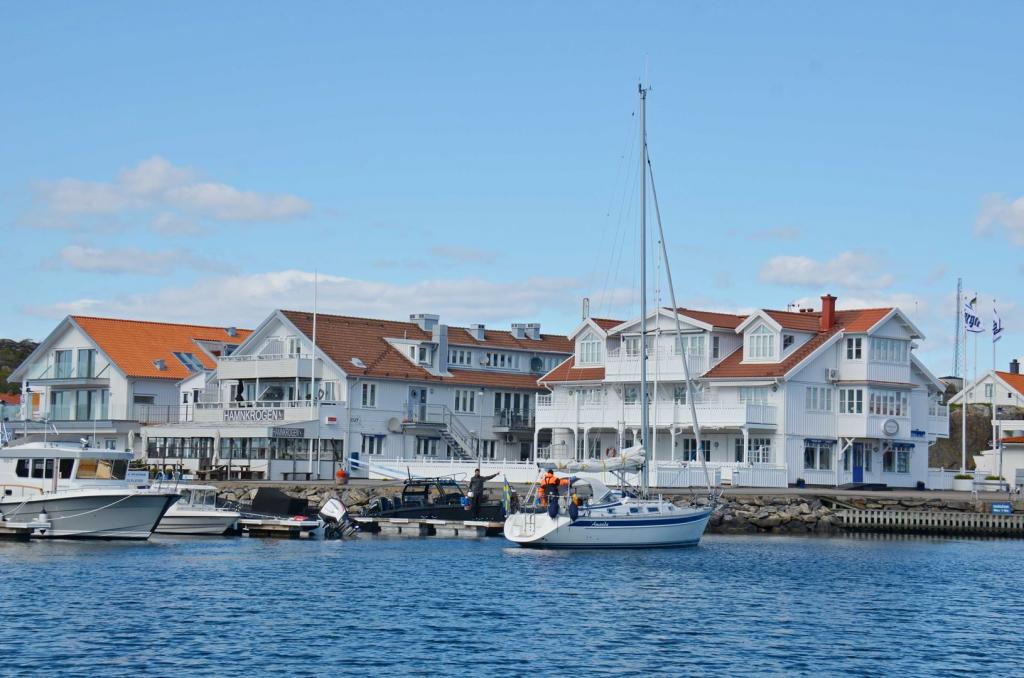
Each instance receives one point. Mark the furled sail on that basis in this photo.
(631, 460)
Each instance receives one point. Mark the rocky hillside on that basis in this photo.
(12, 354)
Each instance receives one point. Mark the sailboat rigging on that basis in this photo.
(620, 518)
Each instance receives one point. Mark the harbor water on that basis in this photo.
(375, 606)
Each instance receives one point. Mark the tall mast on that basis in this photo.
(644, 476)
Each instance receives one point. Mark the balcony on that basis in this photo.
(256, 412)
(511, 421)
(68, 375)
(625, 366)
(74, 416)
(267, 366)
(873, 426)
(938, 421)
(563, 412)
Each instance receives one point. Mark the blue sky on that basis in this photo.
(198, 161)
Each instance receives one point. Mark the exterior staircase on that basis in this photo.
(451, 429)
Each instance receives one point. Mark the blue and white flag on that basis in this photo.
(997, 326)
(972, 322)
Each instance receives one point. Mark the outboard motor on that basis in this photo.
(338, 524)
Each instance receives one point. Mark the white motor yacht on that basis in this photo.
(80, 491)
(196, 512)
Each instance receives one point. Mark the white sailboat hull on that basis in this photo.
(100, 514)
(681, 527)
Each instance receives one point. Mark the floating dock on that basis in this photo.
(278, 528)
(21, 531)
(429, 527)
(933, 522)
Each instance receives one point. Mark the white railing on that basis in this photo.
(814, 476)
(263, 356)
(761, 476)
(941, 479)
(685, 476)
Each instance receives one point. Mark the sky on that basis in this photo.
(204, 162)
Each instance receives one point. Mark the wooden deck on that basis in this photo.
(429, 527)
(278, 528)
(933, 522)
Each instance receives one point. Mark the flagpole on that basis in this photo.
(966, 401)
(994, 339)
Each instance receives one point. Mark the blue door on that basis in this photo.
(858, 462)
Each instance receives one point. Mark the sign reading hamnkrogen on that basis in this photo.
(280, 432)
(253, 415)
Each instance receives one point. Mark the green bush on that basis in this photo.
(963, 476)
(992, 478)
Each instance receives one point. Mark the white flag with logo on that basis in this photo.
(972, 322)
(997, 326)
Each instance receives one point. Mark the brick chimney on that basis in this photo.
(828, 312)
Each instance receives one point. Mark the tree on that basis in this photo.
(12, 354)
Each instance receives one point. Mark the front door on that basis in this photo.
(858, 462)
(417, 403)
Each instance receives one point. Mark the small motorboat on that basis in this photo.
(197, 513)
(433, 498)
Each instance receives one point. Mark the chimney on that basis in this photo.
(1014, 366)
(440, 337)
(477, 331)
(426, 321)
(526, 331)
(828, 312)
(585, 311)
(232, 331)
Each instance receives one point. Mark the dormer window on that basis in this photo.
(761, 344)
(690, 344)
(590, 349)
(787, 341)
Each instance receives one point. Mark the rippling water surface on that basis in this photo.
(372, 606)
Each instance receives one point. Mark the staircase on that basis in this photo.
(451, 429)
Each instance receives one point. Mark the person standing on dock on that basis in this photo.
(476, 489)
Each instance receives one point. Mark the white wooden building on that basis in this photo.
(377, 397)
(825, 397)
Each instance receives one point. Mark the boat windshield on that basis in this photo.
(102, 469)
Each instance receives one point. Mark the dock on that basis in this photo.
(21, 531)
(429, 527)
(933, 522)
(278, 528)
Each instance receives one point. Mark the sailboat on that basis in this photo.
(623, 517)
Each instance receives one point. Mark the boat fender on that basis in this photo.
(574, 512)
(553, 509)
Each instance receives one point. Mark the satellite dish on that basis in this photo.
(359, 363)
(395, 425)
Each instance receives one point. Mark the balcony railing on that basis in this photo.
(264, 357)
(511, 419)
(67, 372)
(138, 412)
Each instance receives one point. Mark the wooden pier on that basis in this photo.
(278, 528)
(429, 527)
(20, 531)
(933, 522)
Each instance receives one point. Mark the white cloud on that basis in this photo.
(170, 223)
(128, 260)
(996, 210)
(155, 184)
(247, 299)
(852, 269)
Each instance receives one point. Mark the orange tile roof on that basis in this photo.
(1014, 381)
(567, 371)
(343, 338)
(1013, 439)
(134, 345)
(801, 322)
(10, 398)
(605, 324)
(727, 320)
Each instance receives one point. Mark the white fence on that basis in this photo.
(685, 476)
(941, 479)
(761, 476)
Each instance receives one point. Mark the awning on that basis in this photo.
(820, 441)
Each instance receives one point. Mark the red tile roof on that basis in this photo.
(605, 324)
(727, 320)
(10, 398)
(135, 345)
(568, 371)
(850, 321)
(344, 338)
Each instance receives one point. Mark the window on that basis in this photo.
(679, 394)
(424, 354)
(427, 447)
(716, 351)
(851, 401)
(465, 400)
(889, 350)
(902, 461)
(373, 444)
(631, 395)
(853, 348)
(759, 450)
(62, 364)
(690, 345)
(294, 345)
(591, 396)
(86, 363)
(787, 341)
(590, 349)
(369, 395)
(888, 403)
(988, 390)
(754, 394)
(487, 448)
(818, 399)
(888, 461)
(818, 455)
(459, 356)
(102, 469)
(761, 344)
(631, 347)
(690, 449)
(191, 363)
